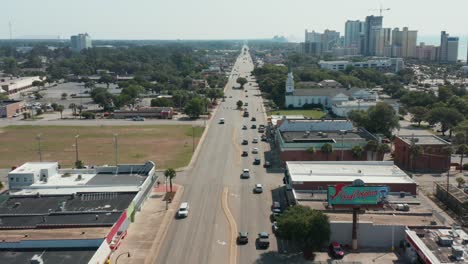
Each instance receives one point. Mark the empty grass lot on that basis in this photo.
(307, 113)
(166, 145)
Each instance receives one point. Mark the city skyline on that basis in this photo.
(210, 19)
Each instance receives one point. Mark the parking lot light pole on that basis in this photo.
(39, 149)
(76, 148)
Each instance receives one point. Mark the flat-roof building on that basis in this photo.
(433, 156)
(304, 176)
(296, 138)
(84, 211)
(10, 108)
(12, 85)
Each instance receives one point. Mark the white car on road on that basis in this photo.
(183, 210)
(255, 151)
(245, 173)
(258, 188)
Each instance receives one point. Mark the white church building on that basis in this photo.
(339, 100)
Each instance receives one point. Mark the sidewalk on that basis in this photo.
(149, 222)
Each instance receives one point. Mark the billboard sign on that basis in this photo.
(342, 194)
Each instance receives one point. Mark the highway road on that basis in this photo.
(204, 236)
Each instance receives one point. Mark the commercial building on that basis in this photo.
(426, 52)
(80, 42)
(319, 43)
(436, 245)
(306, 176)
(381, 64)
(148, 112)
(431, 156)
(9, 108)
(74, 215)
(404, 43)
(12, 85)
(302, 139)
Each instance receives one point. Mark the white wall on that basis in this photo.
(369, 235)
(299, 101)
(101, 254)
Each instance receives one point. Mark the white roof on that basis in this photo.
(372, 172)
(31, 167)
(82, 189)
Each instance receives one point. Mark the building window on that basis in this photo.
(299, 102)
(25, 179)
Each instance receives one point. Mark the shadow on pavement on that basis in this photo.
(274, 257)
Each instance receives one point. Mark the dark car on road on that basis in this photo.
(253, 126)
(245, 154)
(242, 238)
(253, 119)
(335, 250)
(257, 161)
(262, 240)
(245, 142)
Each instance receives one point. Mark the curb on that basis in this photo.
(164, 227)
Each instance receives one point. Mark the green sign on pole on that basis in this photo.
(342, 194)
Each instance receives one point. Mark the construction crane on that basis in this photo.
(381, 9)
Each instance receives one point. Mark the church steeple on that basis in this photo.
(290, 82)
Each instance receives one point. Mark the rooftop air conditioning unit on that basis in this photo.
(319, 133)
(324, 135)
(445, 241)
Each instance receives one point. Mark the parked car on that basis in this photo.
(335, 250)
(258, 188)
(138, 118)
(244, 127)
(274, 227)
(243, 238)
(266, 164)
(276, 207)
(245, 142)
(262, 240)
(183, 210)
(255, 140)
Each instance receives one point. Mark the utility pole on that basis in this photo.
(342, 132)
(76, 149)
(193, 138)
(39, 149)
(116, 147)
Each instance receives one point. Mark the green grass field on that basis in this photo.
(167, 146)
(307, 113)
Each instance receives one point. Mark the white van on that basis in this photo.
(183, 210)
(221, 120)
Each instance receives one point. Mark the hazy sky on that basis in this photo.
(219, 19)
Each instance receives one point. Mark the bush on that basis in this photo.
(465, 166)
(312, 106)
(88, 115)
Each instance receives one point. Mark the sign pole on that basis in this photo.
(354, 232)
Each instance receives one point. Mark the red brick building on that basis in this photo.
(308, 176)
(296, 137)
(10, 107)
(432, 158)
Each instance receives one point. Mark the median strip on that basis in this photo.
(232, 227)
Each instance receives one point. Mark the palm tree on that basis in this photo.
(327, 149)
(357, 152)
(311, 150)
(462, 149)
(372, 146)
(60, 108)
(170, 174)
(460, 181)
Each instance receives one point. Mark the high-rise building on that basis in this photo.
(313, 36)
(426, 52)
(372, 31)
(404, 43)
(452, 49)
(376, 42)
(448, 51)
(353, 31)
(80, 42)
(330, 39)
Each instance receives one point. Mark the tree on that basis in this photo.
(107, 79)
(88, 115)
(359, 117)
(214, 94)
(239, 104)
(170, 174)
(194, 108)
(384, 149)
(357, 152)
(64, 96)
(103, 98)
(372, 146)
(3, 96)
(37, 95)
(161, 102)
(60, 109)
(327, 149)
(462, 149)
(304, 226)
(382, 119)
(448, 118)
(242, 81)
(73, 106)
(460, 182)
(418, 113)
(311, 150)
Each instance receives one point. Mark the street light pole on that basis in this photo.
(76, 148)
(116, 147)
(193, 139)
(39, 149)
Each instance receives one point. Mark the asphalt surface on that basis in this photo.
(203, 237)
